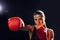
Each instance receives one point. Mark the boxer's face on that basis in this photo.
(38, 19)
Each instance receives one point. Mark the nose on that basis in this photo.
(38, 21)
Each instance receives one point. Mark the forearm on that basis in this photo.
(28, 28)
(24, 29)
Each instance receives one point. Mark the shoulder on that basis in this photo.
(30, 27)
(50, 30)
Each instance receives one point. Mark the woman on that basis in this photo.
(39, 19)
(39, 31)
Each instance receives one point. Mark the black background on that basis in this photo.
(25, 10)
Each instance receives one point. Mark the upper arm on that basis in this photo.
(50, 34)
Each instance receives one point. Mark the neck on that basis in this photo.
(39, 26)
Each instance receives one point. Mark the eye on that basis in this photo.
(35, 19)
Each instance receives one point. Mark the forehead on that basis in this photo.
(37, 16)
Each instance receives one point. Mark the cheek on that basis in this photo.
(35, 22)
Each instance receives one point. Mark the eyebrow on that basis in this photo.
(39, 18)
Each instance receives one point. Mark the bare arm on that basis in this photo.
(28, 28)
(50, 34)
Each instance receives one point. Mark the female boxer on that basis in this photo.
(39, 19)
(37, 32)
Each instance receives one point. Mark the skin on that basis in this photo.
(50, 34)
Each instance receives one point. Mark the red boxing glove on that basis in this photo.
(15, 23)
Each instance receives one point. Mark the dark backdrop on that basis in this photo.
(25, 10)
